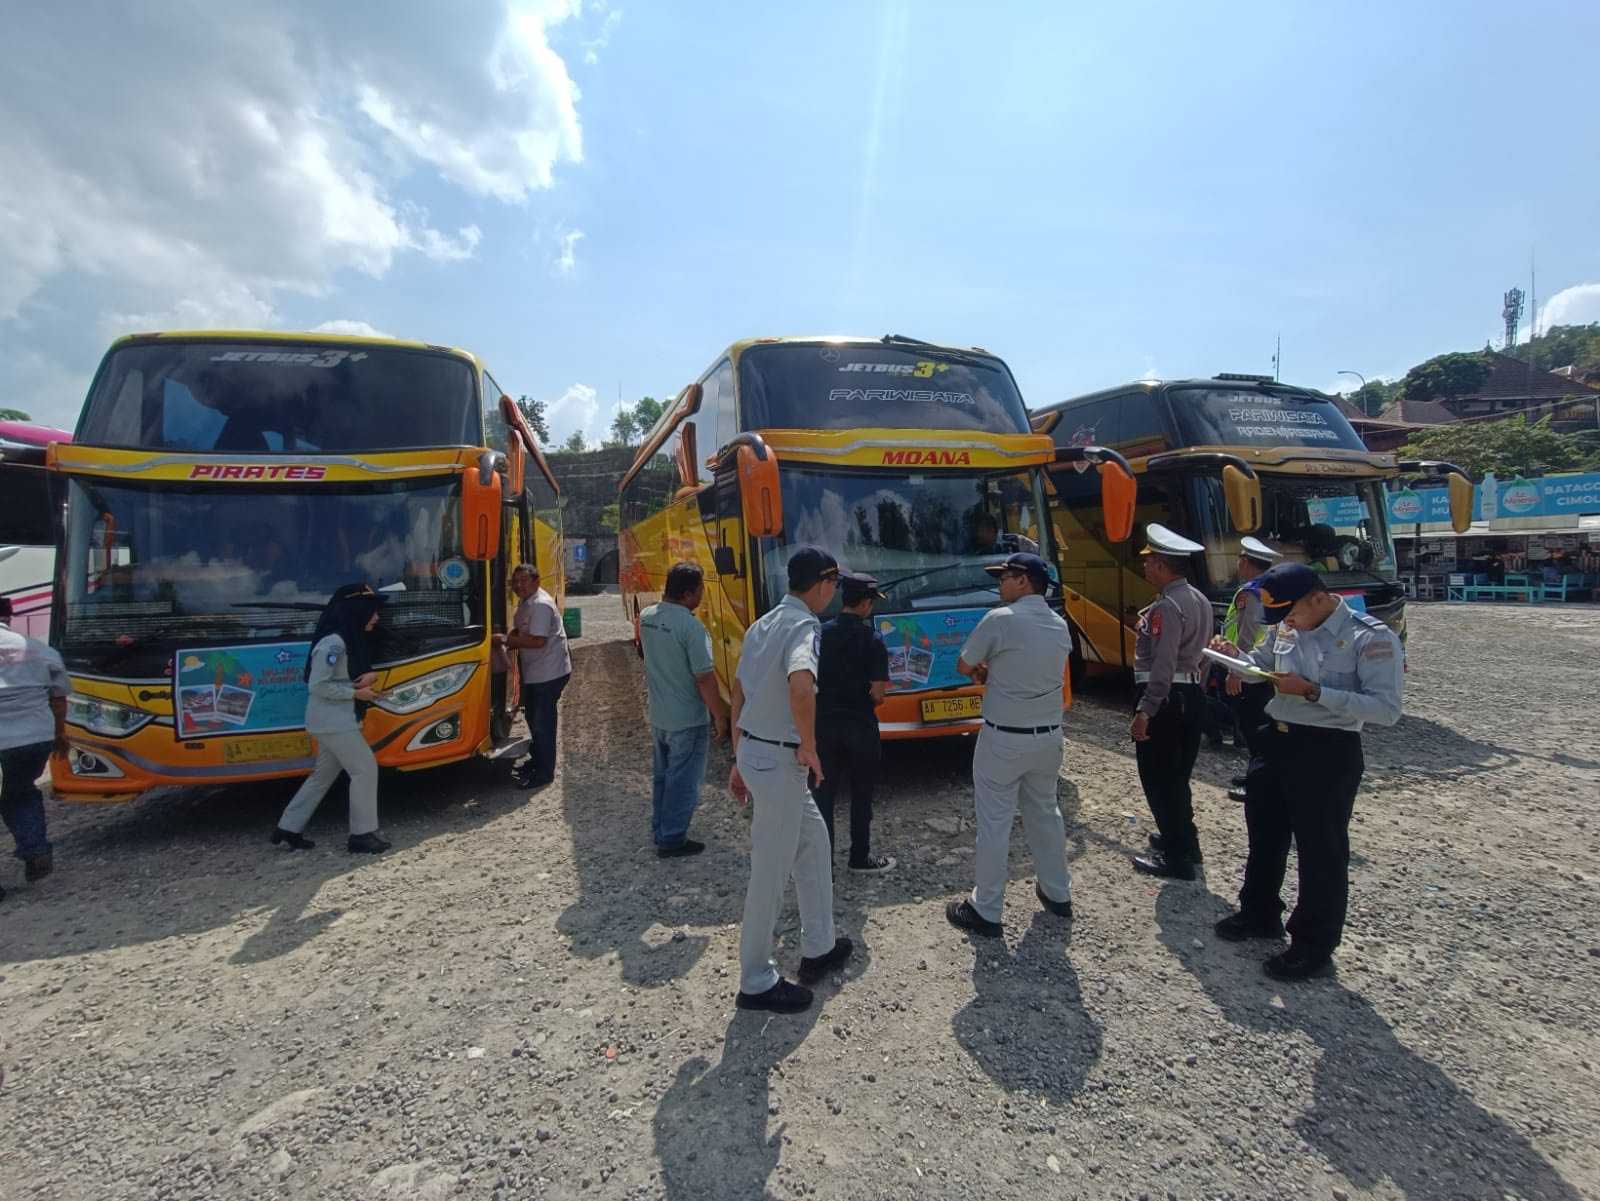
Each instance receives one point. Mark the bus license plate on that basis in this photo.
(952, 708)
(258, 750)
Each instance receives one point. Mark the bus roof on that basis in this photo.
(1233, 382)
(279, 335)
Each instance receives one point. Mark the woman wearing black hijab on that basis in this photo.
(338, 676)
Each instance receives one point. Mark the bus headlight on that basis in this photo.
(424, 690)
(105, 717)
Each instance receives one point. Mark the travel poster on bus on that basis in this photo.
(924, 647)
(241, 689)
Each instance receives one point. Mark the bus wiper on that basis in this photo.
(937, 351)
(917, 575)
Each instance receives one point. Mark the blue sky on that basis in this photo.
(597, 198)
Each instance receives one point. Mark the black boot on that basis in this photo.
(1194, 851)
(1160, 863)
(295, 841)
(367, 844)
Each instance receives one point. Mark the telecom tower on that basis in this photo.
(1513, 315)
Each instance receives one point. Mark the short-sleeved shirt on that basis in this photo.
(780, 643)
(676, 650)
(1171, 632)
(538, 616)
(1026, 647)
(30, 674)
(851, 660)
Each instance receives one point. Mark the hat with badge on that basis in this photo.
(809, 566)
(1284, 584)
(1159, 540)
(1258, 551)
(858, 585)
(1036, 568)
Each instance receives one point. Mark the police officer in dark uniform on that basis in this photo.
(852, 676)
(1170, 714)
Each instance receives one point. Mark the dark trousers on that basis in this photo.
(1250, 714)
(1302, 787)
(1166, 761)
(850, 752)
(539, 703)
(21, 802)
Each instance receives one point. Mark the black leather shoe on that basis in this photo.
(39, 867)
(1157, 863)
(782, 997)
(367, 844)
(1239, 795)
(296, 842)
(1059, 908)
(1238, 781)
(681, 851)
(961, 914)
(816, 967)
(1238, 927)
(1299, 964)
(1194, 851)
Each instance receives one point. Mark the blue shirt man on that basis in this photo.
(685, 706)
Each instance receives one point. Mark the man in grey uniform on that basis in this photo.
(1019, 653)
(1169, 716)
(774, 754)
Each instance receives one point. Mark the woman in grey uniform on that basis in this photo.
(338, 674)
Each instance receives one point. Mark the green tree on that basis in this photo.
(1445, 376)
(611, 517)
(14, 415)
(533, 412)
(1508, 448)
(625, 428)
(1564, 346)
(575, 443)
(1374, 396)
(646, 412)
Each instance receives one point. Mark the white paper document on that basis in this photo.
(1243, 666)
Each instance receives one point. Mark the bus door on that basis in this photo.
(726, 610)
(1091, 565)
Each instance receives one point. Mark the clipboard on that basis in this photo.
(1243, 666)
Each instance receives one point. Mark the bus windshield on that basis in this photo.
(141, 574)
(925, 537)
(830, 387)
(1238, 417)
(280, 398)
(1339, 527)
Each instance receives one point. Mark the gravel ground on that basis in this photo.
(521, 1000)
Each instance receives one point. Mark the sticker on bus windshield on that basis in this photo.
(453, 573)
(921, 369)
(290, 358)
(898, 396)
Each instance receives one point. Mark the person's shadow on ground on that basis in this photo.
(1028, 1028)
(715, 1135)
(1371, 1093)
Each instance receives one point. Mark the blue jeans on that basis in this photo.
(539, 704)
(21, 802)
(678, 765)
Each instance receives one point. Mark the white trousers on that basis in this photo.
(787, 838)
(345, 751)
(1008, 769)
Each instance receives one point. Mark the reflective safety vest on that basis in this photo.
(1230, 620)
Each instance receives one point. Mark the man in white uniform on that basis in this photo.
(775, 759)
(1019, 652)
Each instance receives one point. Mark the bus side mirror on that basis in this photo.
(759, 498)
(1244, 499)
(1461, 491)
(1119, 492)
(481, 503)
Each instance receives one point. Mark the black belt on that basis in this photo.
(1022, 729)
(743, 733)
(1295, 728)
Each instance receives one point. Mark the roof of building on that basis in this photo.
(1511, 379)
(1416, 412)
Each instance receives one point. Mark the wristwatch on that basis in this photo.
(1315, 694)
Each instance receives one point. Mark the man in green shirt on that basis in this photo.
(685, 706)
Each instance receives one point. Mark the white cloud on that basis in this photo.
(227, 159)
(567, 261)
(578, 408)
(341, 325)
(1578, 305)
(592, 47)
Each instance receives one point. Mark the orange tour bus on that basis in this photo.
(911, 461)
(220, 486)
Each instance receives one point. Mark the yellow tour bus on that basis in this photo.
(1217, 459)
(910, 461)
(220, 486)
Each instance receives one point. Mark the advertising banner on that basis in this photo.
(1546, 496)
(227, 690)
(924, 647)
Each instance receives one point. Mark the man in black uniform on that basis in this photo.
(852, 676)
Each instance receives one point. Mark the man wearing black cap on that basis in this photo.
(1335, 670)
(852, 676)
(1019, 653)
(774, 759)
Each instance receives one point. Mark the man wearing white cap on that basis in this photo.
(1243, 625)
(1170, 706)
